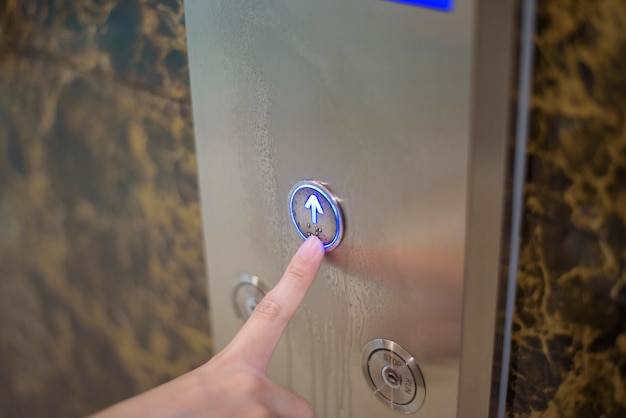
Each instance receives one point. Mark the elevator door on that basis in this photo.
(371, 99)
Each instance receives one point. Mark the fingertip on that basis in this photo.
(259, 336)
(311, 247)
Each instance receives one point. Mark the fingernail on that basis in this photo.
(311, 246)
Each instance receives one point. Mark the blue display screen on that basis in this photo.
(443, 5)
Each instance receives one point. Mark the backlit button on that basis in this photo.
(315, 211)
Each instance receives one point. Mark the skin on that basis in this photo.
(233, 383)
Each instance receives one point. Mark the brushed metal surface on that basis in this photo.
(374, 99)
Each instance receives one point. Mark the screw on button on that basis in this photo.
(391, 377)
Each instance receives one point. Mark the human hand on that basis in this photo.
(233, 383)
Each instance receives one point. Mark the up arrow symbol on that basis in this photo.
(314, 204)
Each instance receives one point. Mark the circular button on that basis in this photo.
(393, 376)
(315, 211)
(247, 293)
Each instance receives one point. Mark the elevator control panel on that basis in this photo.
(393, 375)
(315, 211)
(248, 290)
(357, 122)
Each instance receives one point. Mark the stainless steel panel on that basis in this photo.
(374, 99)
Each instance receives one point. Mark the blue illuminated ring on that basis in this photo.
(443, 5)
(332, 201)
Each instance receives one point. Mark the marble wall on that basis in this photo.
(569, 337)
(102, 287)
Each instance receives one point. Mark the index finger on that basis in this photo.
(257, 339)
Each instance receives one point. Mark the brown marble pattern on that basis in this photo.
(102, 287)
(569, 339)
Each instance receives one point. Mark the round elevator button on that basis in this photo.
(315, 211)
(393, 375)
(247, 294)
